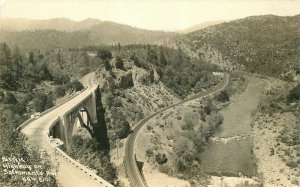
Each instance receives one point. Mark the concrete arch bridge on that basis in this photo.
(59, 122)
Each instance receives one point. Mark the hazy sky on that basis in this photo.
(149, 14)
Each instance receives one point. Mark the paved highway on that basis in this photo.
(70, 175)
(133, 173)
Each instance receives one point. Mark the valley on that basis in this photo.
(234, 167)
(213, 106)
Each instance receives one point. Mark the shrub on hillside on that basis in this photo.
(149, 153)
(2, 95)
(184, 162)
(149, 128)
(223, 97)
(60, 91)
(7, 80)
(117, 102)
(10, 98)
(107, 65)
(104, 54)
(161, 158)
(42, 102)
(136, 61)
(122, 129)
(292, 164)
(207, 109)
(188, 125)
(185, 153)
(126, 81)
(294, 94)
(216, 120)
(202, 115)
(119, 63)
(20, 108)
(27, 98)
(76, 85)
(61, 79)
(44, 73)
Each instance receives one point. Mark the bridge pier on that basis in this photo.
(57, 130)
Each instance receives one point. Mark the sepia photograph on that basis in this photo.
(149, 93)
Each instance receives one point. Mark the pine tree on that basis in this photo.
(31, 58)
(7, 79)
(17, 61)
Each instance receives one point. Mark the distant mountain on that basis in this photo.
(200, 26)
(65, 33)
(110, 32)
(59, 24)
(268, 45)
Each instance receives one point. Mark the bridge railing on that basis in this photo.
(83, 168)
(23, 125)
(80, 166)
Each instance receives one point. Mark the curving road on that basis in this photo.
(70, 173)
(133, 173)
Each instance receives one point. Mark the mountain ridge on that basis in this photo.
(267, 44)
(200, 26)
(65, 33)
(60, 24)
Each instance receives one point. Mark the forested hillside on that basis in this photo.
(182, 74)
(267, 45)
(27, 86)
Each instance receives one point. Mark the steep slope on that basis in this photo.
(267, 45)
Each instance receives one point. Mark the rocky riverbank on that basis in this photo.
(270, 153)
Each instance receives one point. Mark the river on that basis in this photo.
(228, 152)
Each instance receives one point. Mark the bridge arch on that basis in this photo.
(85, 121)
(74, 115)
